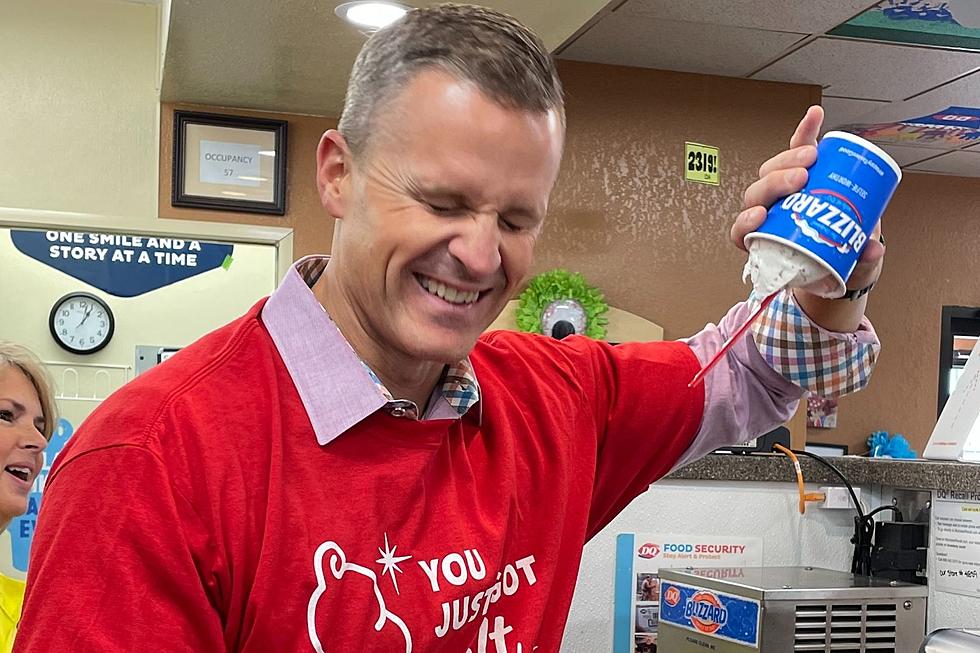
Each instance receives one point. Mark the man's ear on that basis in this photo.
(333, 169)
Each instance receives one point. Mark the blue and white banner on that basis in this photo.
(119, 264)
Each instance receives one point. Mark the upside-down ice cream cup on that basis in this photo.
(814, 237)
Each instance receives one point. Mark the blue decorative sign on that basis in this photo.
(122, 265)
(22, 528)
(706, 612)
(959, 117)
(951, 128)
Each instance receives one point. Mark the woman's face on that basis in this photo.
(22, 441)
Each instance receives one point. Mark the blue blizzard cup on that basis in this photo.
(831, 218)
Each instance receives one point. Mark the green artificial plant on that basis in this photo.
(556, 285)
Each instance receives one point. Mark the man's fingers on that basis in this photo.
(747, 221)
(873, 252)
(809, 128)
(770, 188)
(799, 157)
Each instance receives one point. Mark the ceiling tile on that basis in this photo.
(963, 163)
(906, 155)
(845, 111)
(803, 16)
(877, 71)
(626, 40)
(964, 92)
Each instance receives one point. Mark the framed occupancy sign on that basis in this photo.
(229, 163)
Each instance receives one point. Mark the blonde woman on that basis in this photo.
(27, 419)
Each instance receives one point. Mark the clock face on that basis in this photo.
(81, 323)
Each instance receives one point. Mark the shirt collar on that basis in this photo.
(337, 388)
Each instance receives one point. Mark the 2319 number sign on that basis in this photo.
(701, 163)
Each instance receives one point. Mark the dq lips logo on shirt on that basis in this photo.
(706, 612)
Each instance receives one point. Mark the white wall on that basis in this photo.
(766, 510)
(79, 106)
(174, 315)
(821, 538)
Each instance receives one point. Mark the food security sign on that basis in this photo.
(124, 265)
(641, 604)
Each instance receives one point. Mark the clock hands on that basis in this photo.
(86, 317)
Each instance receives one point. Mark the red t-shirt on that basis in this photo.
(195, 511)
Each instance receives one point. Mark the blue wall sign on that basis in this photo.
(122, 265)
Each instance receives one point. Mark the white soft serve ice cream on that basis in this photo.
(773, 266)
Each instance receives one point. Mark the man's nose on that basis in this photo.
(477, 245)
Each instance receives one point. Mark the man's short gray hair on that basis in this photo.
(494, 51)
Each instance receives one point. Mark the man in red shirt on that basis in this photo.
(352, 466)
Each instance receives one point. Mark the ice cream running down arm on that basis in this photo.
(773, 266)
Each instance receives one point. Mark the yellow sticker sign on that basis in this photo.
(701, 163)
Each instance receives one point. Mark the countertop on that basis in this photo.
(910, 474)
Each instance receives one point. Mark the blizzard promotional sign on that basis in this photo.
(705, 612)
(122, 265)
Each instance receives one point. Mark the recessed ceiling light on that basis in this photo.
(371, 15)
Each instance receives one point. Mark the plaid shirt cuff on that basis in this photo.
(823, 362)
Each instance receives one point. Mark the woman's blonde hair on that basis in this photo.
(22, 358)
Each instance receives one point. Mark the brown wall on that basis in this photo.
(933, 235)
(312, 229)
(622, 214)
(658, 246)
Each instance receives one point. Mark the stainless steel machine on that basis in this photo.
(788, 609)
(951, 641)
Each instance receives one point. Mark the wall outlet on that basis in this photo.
(838, 498)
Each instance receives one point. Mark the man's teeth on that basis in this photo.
(451, 295)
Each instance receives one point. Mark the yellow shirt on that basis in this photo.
(11, 601)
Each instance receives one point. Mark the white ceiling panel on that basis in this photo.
(846, 111)
(963, 163)
(626, 40)
(876, 71)
(964, 92)
(906, 155)
(802, 16)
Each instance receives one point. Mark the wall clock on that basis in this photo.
(81, 323)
